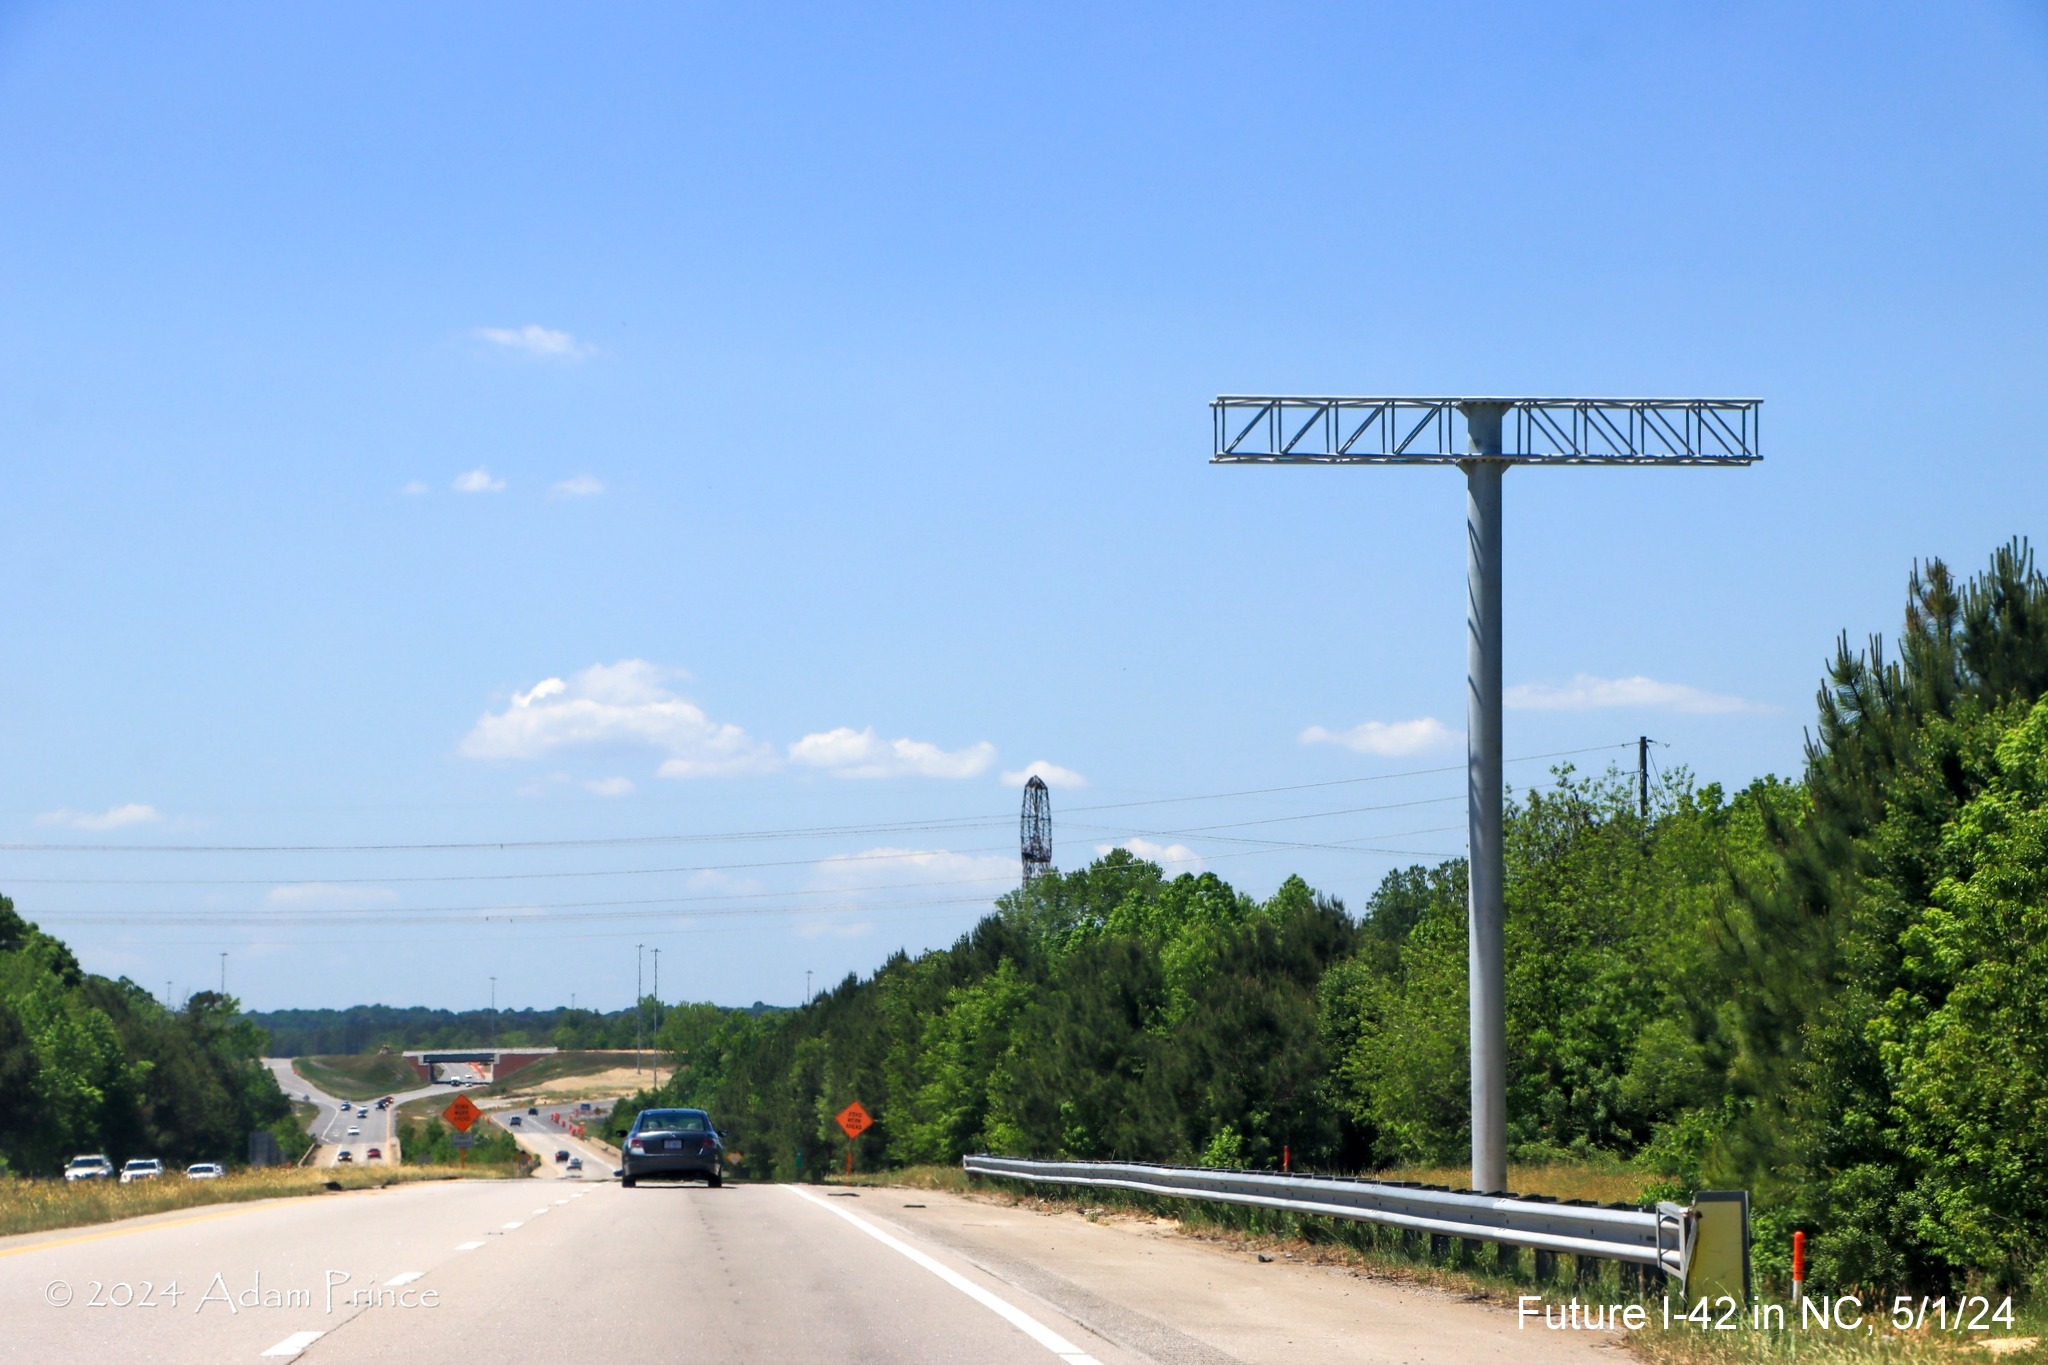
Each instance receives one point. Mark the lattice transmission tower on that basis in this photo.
(1035, 829)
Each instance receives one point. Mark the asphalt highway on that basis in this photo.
(740, 1274)
(338, 1115)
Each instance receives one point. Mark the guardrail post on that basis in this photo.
(1546, 1266)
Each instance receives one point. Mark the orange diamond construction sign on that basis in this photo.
(462, 1113)
(855, 1120)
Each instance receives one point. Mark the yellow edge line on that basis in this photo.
(242, 1206)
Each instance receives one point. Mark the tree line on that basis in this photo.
(366, 1028)
(1832, 992)
(89, 1064)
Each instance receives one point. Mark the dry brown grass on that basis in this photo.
(46, 1205)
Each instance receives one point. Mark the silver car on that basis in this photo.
(89, 1168)
(141, 1168)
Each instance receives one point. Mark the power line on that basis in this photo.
(931, 825)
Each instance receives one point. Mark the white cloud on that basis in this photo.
(536, 340)
(413, 488)
(478, 480)
(1173, 858)
(610, 786)
(1588, 693)
(1387, 739)
(626, 704)
(116, 817)
(1052, 774)
(582, 486)
(846, 752)
(892, 867)
(328, 896)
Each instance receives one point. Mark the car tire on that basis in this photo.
(627, 1181)
(715, 1179)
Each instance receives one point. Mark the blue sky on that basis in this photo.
(502, 424)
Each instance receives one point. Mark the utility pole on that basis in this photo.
(807, 985)
(1714, 432)
(1643, 779)
(494, 1013)
(639, 1003)
(223, 976)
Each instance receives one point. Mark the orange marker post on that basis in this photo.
(1798, 1267)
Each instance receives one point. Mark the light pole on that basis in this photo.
(494, 1014)
(223, 976)
(1544, 431)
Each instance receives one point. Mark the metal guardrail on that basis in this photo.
(1662, 1239)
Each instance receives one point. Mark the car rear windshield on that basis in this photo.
(671, 1121)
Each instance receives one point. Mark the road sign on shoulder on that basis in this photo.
(854, 1120)
(462, 1113)
(464, 1139)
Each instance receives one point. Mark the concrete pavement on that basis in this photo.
(745, 1273)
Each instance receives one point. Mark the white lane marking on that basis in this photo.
(512, 1226)
(1002, 1308)
(407, 1278)
(560, 1202)
(538, 1212)
(469, 1246)
(295, 1343)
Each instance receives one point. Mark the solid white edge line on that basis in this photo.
(295, 1343)
(1002, 1308)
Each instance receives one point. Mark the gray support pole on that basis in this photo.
(1486, 870)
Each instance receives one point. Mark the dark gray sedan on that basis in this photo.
(672, 1144)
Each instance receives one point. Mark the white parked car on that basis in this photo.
(89, 1168)
(142, 1168)
(204, 1170)
(354, 1131)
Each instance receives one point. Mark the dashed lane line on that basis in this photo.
(513, 1227)
(995, 1303)
(407, 1278)
(469, 1246)
(294, 1344)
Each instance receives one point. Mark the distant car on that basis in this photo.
(672, 1144)
(204, 1170)
(561, 1154)
(141, 1168)
(533, 1109)
(374, 1154)
(575, 1163)
(354, 1131)
(89, 1168)
(512, 1122)
(363, 1112)
(342, 1156)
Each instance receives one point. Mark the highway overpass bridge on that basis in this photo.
(495, 1064)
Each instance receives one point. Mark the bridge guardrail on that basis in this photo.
(1662, 1239)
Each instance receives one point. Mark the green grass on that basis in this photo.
(46, 1205)
(364, 1077)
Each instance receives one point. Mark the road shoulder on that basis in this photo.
(1142, 1284)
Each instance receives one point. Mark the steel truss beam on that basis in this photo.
(1558, 431)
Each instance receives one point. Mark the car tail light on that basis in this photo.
(634, 1146)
